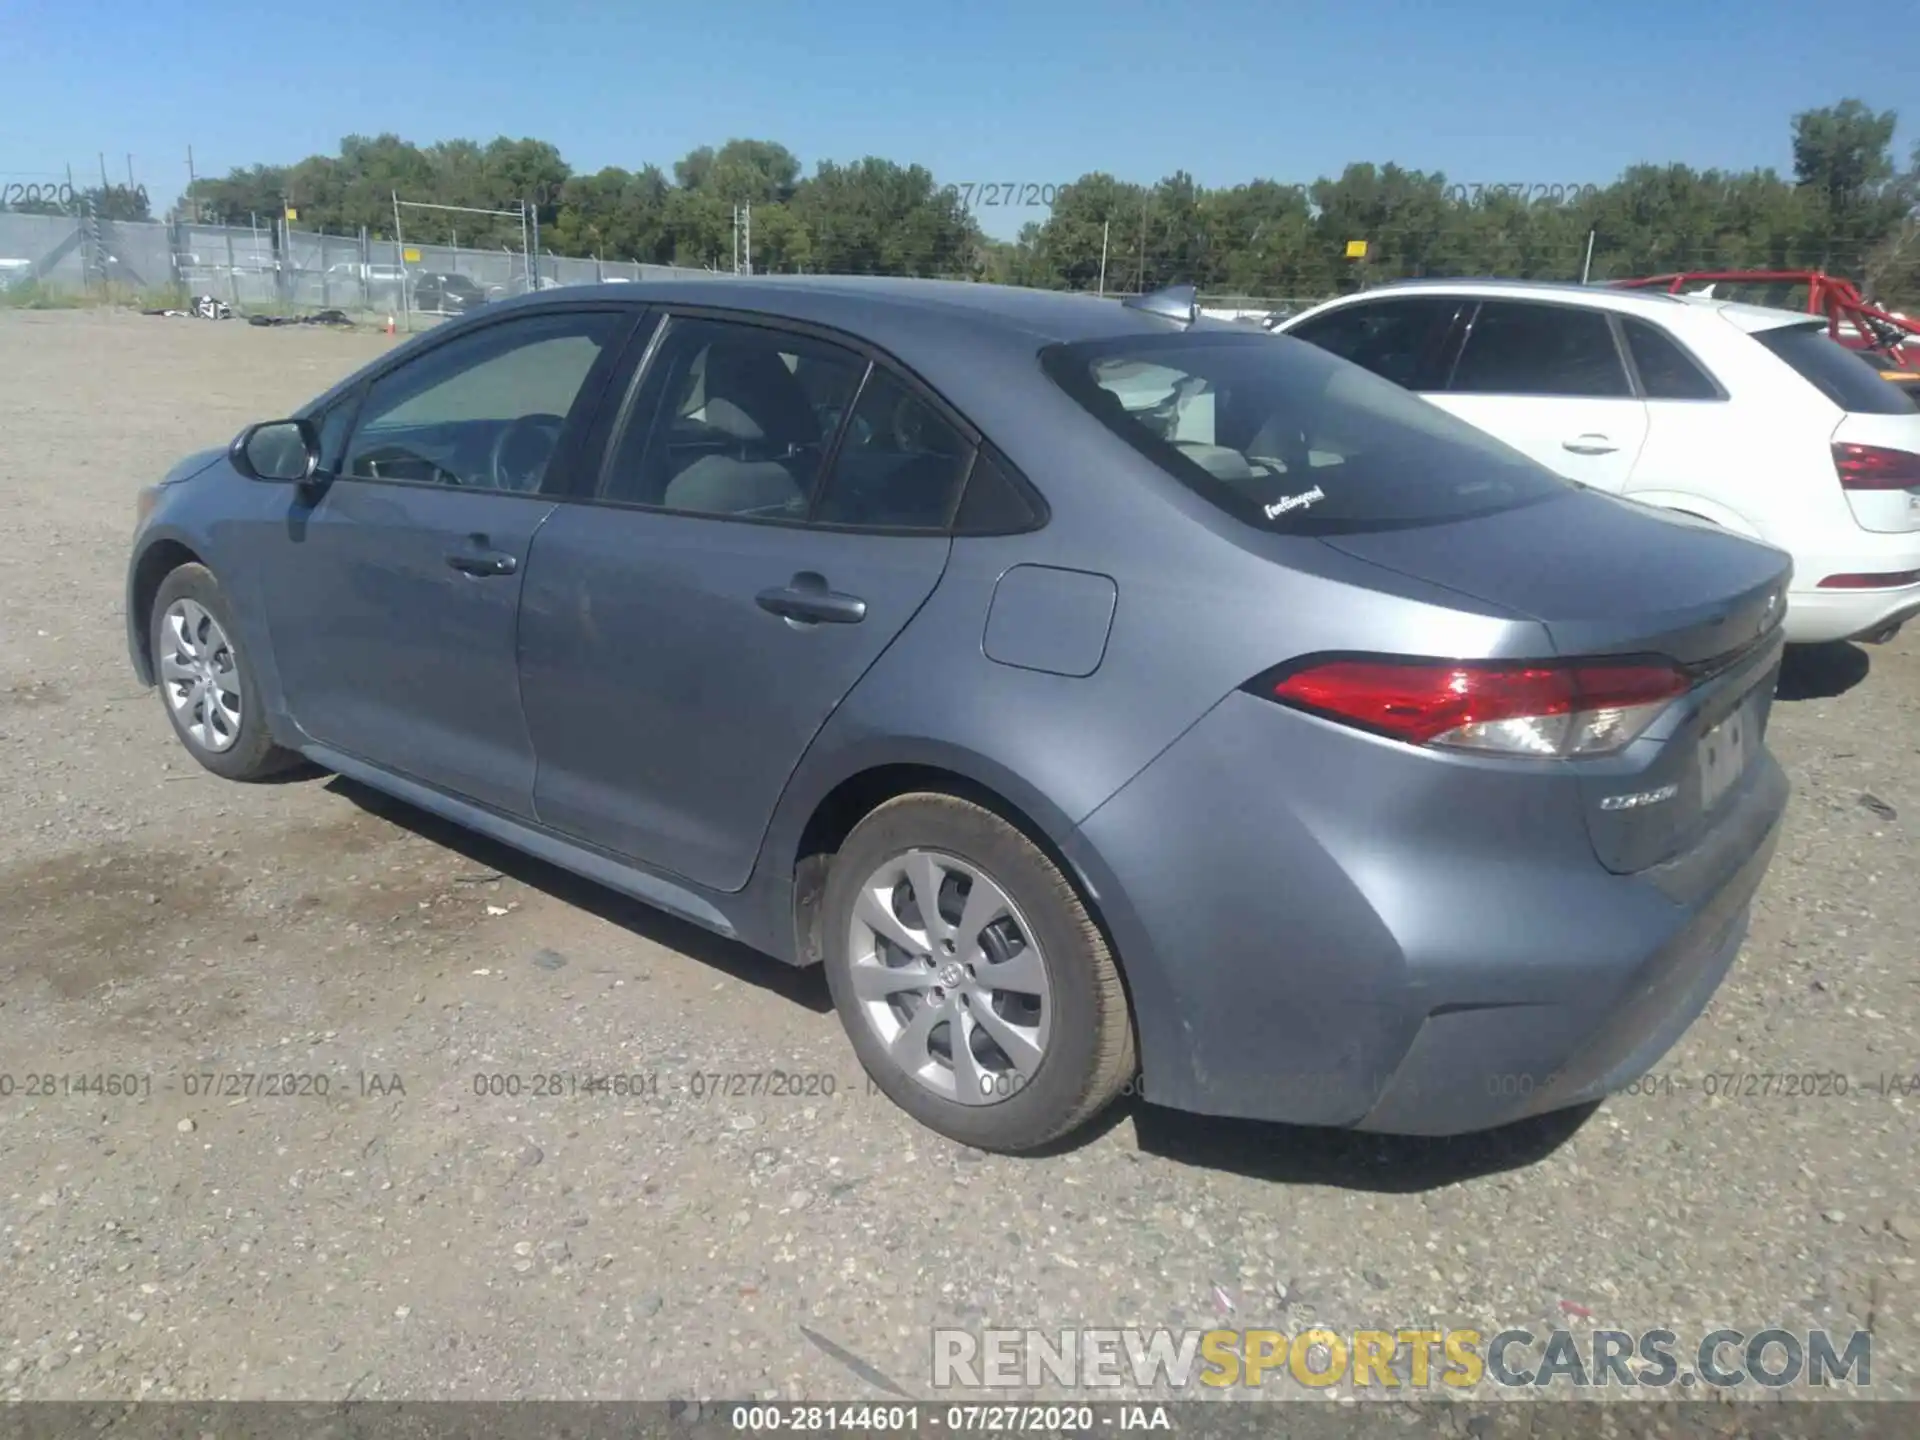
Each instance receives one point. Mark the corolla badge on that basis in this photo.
(1645, 797)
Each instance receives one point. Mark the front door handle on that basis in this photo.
(1589, 445)
(486, 562)
(807, 599)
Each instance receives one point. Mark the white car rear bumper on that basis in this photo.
(1817, 614)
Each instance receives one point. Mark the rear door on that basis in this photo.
(1692, 428)
(1550, 380)
(771, 512)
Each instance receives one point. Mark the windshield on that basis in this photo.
(1289, 437)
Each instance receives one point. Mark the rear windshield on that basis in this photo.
(1826, 365)
(1288, 437)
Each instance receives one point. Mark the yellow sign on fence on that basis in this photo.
(292, 214)
(410, 255)
(1356, 249)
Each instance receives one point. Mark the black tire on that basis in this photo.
(252, 755)
(1089, 1056)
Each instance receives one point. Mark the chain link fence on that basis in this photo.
(271, 268)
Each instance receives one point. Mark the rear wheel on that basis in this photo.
(208, 690)
(977, 991)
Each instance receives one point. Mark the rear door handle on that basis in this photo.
(807, 599)
(486, 562)
(1589, 445)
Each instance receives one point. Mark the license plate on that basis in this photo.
(1724, 752)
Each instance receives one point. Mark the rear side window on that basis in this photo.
(1519, 348)
(1666, 371)
(1291, 438)
(1398, 340)
(732, 420)
(899, 466)
(1826, 365)
(994, 503)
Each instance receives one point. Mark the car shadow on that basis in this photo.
(1349, 1159)
(299, 772)
(1259, 1150)
(806, 987)
(1821, 672)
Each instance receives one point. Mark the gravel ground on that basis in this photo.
(405, 1237)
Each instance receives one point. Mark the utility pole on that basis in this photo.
(400, 255)
(1586, 270)
(748, 243)
(736, 239)
(193, 187)
(1106, 227)
(1140, 282)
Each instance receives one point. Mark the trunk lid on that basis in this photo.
(1607, 576)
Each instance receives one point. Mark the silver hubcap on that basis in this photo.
(200, 676)
(947, 974)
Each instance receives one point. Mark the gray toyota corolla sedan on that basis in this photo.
(1096, 691)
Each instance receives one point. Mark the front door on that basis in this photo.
(691, 623)
(393, 589)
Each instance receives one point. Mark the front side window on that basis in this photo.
(1291, 438)
(732, 420)
(484, 411)
(335, 424)
(1396, 339)
(1516, 347)
(900, 463)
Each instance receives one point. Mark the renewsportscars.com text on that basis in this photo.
(1417, 1359)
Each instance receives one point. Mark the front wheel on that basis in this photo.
(210, 696)
(976, 989)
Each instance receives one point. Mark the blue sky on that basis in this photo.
(1039, 91)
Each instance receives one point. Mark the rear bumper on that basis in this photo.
(1816, 616)
(1556, 1055)
(1296, 958)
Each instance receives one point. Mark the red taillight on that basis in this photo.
(1557, 709)
(1875, 467)
(1886, 580)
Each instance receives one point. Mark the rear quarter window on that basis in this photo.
(1290, 438)
(1833, 370)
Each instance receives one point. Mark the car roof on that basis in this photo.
(1605, 297)
(1658, 305)
(910, 317)
(1752, 318)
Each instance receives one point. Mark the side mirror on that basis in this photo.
(282, 451)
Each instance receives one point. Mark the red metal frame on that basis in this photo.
(1895, 339)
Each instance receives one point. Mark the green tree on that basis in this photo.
(874, 217)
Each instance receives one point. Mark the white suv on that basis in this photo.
(1750, 418)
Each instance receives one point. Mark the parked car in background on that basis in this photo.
(446, 293)
(348, 280)
(903, 627)
(1750, 418)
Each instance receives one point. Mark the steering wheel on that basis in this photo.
(522, 450)
(909, 425)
